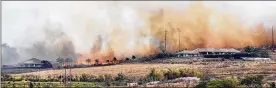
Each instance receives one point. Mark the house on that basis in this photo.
(187, 53)
(209, 53)
(255, 59)
(188, 81)
(152, 84)
(132, 84)
(35, 63)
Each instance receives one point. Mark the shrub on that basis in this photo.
(155, 75)
(171, 74)
(190, 73)
(253, 81)
(84, 77)
(101, 78)
(108, 77)
(120, 77)
(272, 85)
(224, 83)
(17, 78)
(6, 77)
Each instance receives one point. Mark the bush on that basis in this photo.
(201, 85)
(108, 77)
(6, 77)
(190, 73)
(224, 83)
(171, 74)
(120, 77)
(17, 79)
(84, 77)
(272, 85)
(253, 81)
(155, 75)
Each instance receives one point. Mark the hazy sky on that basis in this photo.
(23, 20)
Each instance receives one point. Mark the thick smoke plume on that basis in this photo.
(121, 30)
(195, 27)
(9, 54)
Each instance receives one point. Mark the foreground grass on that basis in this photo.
(25, 84)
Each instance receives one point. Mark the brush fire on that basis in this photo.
(198, 26)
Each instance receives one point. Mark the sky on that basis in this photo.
(24, 22)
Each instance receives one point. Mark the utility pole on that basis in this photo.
(178, 39)
(272, 40)
(165, 40)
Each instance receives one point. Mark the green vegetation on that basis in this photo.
(155, 75)
(252, 81)
(248, 81)
(169, 74)
(26, 84)
(224, 83)
(272, 85)
(257, 52)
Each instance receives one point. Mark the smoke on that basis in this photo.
(9, 54)
(103, 30)
(55, 44)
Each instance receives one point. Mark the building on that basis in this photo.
(208, 53)
(132, 84)
(35, 63)
(187, 53)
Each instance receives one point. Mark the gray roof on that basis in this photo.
(216, 50)
(208, 50)
(31, 61)
(187, 51)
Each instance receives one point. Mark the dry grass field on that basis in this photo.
(136, 70)
(230, 68)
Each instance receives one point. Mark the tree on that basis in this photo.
(127, 59)
(257, 52)
(88, 61)
(248, 49)
(46, 64)
(60, 61)
(253, 81)
(133, 57)
(114, 59)
(107, 61)
(224, 83)
(97, 61)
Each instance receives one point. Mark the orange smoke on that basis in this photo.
(196, 27)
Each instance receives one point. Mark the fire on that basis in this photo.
(196, 27)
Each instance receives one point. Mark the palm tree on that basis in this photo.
(97, 61)
(114, 60)
(88, 61)
(133, 57)
(127, 59)
(107, 61)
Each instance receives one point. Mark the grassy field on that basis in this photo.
(25, 84)
(137, 70)
(140, 70)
